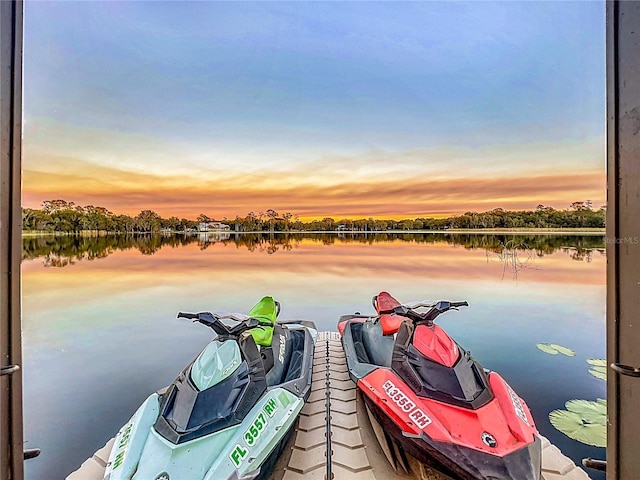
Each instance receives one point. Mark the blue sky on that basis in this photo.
(262, 96)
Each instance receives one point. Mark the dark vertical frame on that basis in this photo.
(623, 237)
(611, 235)
(11, 443)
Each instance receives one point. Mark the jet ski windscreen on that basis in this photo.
(463, 384)
(187, 408)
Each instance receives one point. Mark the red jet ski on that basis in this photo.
(433, 400)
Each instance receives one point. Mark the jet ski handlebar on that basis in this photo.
(428, 317)
(214, 321)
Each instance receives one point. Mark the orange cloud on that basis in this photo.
(183, 196)
(128, 173)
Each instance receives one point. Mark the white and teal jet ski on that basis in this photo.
(229, 413)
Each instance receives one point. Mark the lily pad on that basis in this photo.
(592, 412)
(599, 368)
(599, 372)
(583, 420)
(554, 349)
(597, 362)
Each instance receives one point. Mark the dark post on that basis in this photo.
(11, 455)
(623, 239)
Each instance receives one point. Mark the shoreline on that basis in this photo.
(475, 231)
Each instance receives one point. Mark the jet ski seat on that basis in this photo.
(390, 323)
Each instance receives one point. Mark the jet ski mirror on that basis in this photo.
(442, 306)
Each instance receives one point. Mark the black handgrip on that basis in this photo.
(459, 304)
(192, 316)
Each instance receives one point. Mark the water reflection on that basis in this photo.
(515, 251)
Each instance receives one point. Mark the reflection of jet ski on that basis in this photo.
(227, 415)
(433, 400)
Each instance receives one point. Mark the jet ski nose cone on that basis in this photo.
(523, 464)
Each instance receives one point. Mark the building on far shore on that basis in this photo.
(213, 227)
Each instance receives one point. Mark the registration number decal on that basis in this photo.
(253, 432)
(420, 418)
(517, 405)
(124, 441)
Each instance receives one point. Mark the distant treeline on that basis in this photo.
(63, 216)
(60, 251)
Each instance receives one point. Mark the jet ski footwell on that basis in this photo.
(358, 450)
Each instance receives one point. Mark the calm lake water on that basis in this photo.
(100, 332)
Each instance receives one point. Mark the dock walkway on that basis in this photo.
(355, 451)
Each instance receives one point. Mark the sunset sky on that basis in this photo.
(355, 109)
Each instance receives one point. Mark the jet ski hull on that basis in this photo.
(444, 410)
(242, 445)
